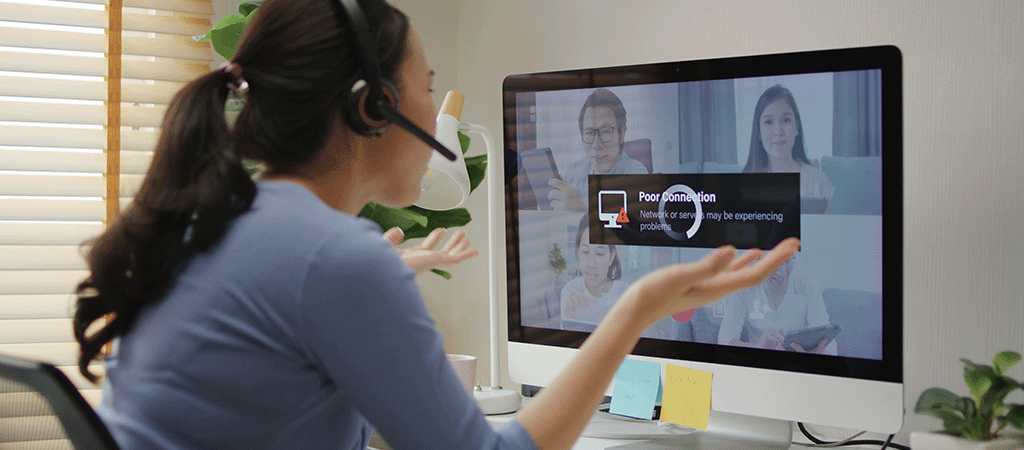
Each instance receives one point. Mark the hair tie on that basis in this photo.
(235, 83)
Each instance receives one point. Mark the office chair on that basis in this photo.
(81, 424)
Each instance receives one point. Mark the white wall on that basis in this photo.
(964, 142)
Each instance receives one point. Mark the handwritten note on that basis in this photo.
(637, 386)
(687, 399)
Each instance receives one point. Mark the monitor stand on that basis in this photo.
(725, 431)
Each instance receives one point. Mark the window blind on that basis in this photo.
(55, 91)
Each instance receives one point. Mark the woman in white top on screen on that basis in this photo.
(602, 127)
(777, 143)
(590, 296)
(787, 301)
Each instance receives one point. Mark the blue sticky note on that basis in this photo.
(661, 391)
(637, 385)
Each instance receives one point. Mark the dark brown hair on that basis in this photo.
(298, 57)
(603, 98)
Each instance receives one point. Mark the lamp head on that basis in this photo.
(446, 183)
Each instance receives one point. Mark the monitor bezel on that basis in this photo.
(886, 58)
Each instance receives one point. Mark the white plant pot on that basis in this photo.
(924, 440)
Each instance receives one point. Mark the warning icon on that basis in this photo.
(622, 216)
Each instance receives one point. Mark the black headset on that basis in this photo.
(372, 101)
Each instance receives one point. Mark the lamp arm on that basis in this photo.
(495, 222)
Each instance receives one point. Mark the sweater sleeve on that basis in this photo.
(366, 327)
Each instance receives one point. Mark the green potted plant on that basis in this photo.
(414, 221)
(556, 261)
(981, 420)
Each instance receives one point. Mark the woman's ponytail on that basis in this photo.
(194, 187)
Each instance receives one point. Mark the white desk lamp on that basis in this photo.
(446, 186)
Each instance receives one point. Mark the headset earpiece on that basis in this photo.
(365, 118)
(372, 118)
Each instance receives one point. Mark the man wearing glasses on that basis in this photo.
(602, 128)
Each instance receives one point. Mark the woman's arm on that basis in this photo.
(560, 411)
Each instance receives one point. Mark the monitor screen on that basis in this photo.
(660, 163)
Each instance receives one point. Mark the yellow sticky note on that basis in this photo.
(687, 397)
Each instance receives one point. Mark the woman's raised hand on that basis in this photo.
(685, 286)
(424, 256)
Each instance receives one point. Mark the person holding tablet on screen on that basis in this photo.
(265, 314)
(602, 125)
(777, 143)
(787, 301)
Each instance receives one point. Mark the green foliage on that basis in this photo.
(556, 260)
(226, 34)
(982, 415)
(415, 222)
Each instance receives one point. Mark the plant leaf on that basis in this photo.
(463, 142)
(967, 407)
(226, 34)
(976, 429)
(1003, 361)
(946, 406)
(437, 219)
(993, 399)
(205, 37)
(934, 398)
(969, 363)
(978, 380)
(246, 9)
(442, 273)
(1015, 417)
(388, 217)
(476, 166)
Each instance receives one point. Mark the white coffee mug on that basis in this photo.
(465, 368)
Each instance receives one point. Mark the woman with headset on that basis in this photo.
(265, 314)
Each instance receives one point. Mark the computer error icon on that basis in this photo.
(611, 208)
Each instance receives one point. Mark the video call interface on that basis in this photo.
(616, 182)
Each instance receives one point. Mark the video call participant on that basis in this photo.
(591, 295)
(787, 301)
(602, 124)
(266, 315)
(777, 143)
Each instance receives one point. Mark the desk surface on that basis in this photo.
(695, 441)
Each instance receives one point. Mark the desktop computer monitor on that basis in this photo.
(660, 163)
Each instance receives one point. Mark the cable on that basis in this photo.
(820, 443)
(887, 442)
(832, 444)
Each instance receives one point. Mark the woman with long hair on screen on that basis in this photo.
(777, 143)
(266, 315)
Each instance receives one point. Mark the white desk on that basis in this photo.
(693, 441)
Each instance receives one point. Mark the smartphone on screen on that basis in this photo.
(539, 166)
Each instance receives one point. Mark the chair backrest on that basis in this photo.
(857, 180)
(716, 167)
(640, 151)
(82, 426)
